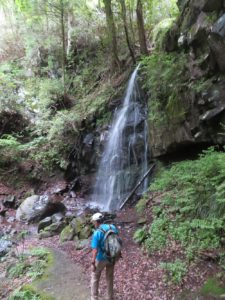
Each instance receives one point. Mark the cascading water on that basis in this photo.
(125, 159)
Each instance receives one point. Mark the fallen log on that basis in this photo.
(137, 186)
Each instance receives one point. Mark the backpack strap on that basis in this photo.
(101, 230)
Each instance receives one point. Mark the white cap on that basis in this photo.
(97, 217)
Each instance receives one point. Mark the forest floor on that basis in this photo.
(137, 275)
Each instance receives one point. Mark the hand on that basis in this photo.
(93, 267)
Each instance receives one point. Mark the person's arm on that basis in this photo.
(94, 255)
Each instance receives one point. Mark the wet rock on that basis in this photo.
(5, 247)
(217, 45)
(85, 232)
(104, 137)
(60, 188)
(67, 234)
(56, 227)
(210, 5)
(88, 147)
(219, 26)
(69, 214)
(52, 230)
(57, 217)
(83, 244)
(11, 219)
(9, 202)
(44, 223)
(72, 194)
(109, 215)
(212, 113)
(35, 208)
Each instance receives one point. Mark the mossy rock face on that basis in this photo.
(67, 234)
(85, 232)
(77, 225)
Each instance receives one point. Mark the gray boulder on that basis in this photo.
(35, 208)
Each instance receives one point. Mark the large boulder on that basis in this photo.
(35, 208)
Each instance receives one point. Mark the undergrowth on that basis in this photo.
(192, 212)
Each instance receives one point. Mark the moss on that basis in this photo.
(175, 111)
(212, 287)
(30, 287)
(67, 234)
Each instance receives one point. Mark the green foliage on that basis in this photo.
(175, 270)
(24, 295)
(193, 206)
(162, 72)
(141, 206)
(141, 234)
(40, 252)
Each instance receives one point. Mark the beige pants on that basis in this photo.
(95, 277)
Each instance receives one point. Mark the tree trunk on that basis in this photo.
(63, 54)
(111, 31)
(131, 25)
(141, 28)
(137, 186)
(123, 6)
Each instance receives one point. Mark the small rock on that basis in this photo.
(8, 229)
(9, 202)
(45, 234)
(55, 227)
(69, 214)
(44, 223)
(142, 221)
(83, 244)
(57, 217)
(1, 219)
(11, 219)
(72, 194)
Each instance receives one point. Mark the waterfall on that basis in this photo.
(125, 157)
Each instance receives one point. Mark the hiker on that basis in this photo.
(99, 256)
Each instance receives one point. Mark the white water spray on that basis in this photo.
(125, 158)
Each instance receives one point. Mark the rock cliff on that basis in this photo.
(194, 108)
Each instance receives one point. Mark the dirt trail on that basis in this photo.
(65, 280)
